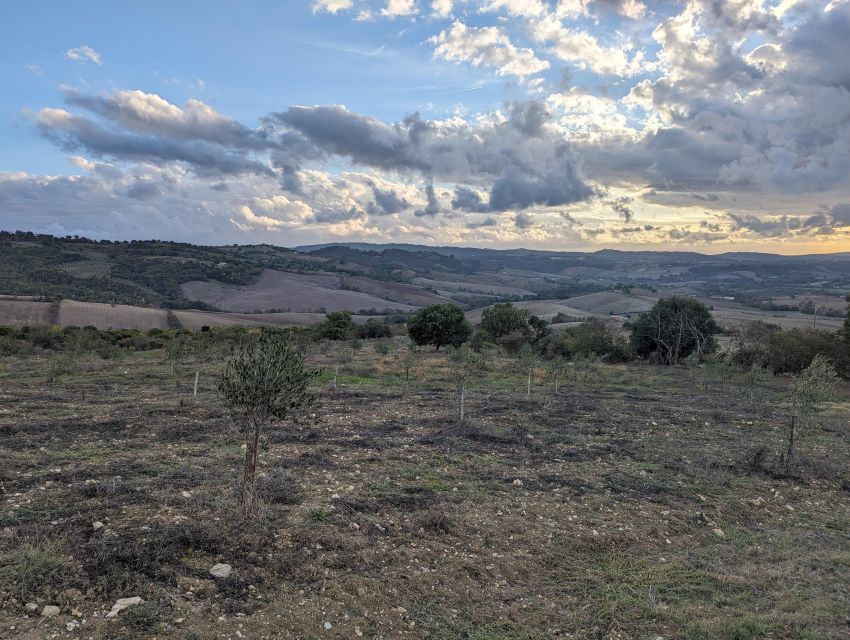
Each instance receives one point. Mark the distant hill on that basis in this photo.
(398, 277)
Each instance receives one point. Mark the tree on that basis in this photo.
(337, 326)
(439, 324)
(466, 365)
(526, 360)
(265, 380)
(674, 328)
(504, 319)
(556, 367)
(809, 391)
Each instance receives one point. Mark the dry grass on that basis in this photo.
(587, 515)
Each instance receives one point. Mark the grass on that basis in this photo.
(586, 514)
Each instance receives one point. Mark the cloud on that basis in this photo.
(442, 8)
(520, 159)
(84, 53)
(35, 70)
(584, 50)
(432, 206)
(486, 46)
(621, 208)
(399, 8)
(331, 6)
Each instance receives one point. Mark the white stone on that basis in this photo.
(221, 570)
(123, 603)
(50, 610)
(31, 607)
(328, 626)
(97, 525)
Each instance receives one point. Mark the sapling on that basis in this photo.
(755, 377)
(809, 391)
(266, 379)
(526, 359)
(466, 366)
(556, 368)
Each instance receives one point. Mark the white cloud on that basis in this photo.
(83, 53)
(521, 8)
(486, 46)
(442, 8)
(331, 6)
(34, 69)
(583, 49)
(399, 8)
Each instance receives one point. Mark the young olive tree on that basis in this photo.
(556, 367)
(466, 365)
(526, 361)
(810, 390)
(265, 380)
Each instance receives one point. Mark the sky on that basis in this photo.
(711, 126)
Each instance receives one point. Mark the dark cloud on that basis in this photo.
(465, 199)
(524, 162)
(523, 221)
(621, 208)
(143, 190)
(486, 222)
(387, 201)
(433, 206)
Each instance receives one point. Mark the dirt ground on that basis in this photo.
(641, 502)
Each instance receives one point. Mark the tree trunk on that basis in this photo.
(791, 456)
(462, 399)
(249, 489)
(195, 389)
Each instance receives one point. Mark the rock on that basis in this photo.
(198, 587)
(185, 494)
(50, 610)
(97, 525)
(221, 570)
(518, 482)
(123, 603)
(31, 607)
(328, 626)
(718, 532)
(70, 626)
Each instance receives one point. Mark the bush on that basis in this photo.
(374, 329)
(595, 337)
(439, 324)
(338, 326)
(786, 351)
(673, 329)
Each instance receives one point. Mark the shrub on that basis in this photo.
(338, 326)
(674, 328)
(439, 324)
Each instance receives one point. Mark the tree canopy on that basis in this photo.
(439, 324)
(674, 328)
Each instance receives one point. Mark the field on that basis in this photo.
(198, 319)
(639, 502)
(289, 292)
(18, 313)
(106, 316)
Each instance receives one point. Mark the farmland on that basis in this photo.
(637, 502)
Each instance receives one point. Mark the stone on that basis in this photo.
(97, 525)
(123, 603)
(518, 482)
(31, 607)
(50, 610)
(328, 626)
(719, 533)
(221, 570)
(70, 626)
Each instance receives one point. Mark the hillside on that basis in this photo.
(375, 279)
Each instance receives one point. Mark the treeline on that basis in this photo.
(676, 330)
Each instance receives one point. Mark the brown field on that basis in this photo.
(190, 319)
(488, 288)
(639, 502)
(394, 291)
(110, 316)
(18, 313)
(287, 291)
(833, 303)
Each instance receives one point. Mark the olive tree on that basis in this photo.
(466, 365)
(556, 366)
(809, 391)
(266, 379)
(526, 361)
